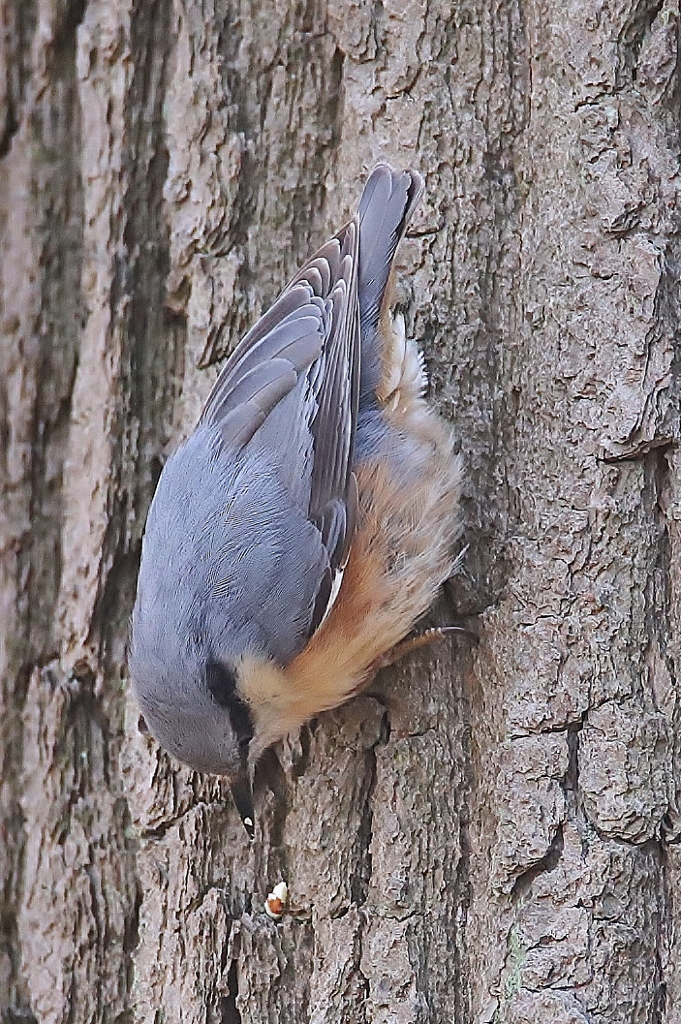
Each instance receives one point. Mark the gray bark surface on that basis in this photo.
(493, 837)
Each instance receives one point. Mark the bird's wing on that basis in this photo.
(307, 346)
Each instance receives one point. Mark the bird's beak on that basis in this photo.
(242, 794)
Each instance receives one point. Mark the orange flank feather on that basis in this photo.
(401, 553)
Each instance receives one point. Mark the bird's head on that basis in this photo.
(195, 710)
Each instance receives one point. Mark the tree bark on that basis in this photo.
(491, 836)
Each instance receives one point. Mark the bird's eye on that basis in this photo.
(222, 686)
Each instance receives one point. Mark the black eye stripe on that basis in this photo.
(221, 683)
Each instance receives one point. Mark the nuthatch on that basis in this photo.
(298, 534)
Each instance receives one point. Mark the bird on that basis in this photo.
(306, 525)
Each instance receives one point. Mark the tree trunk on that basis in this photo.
(493, 835)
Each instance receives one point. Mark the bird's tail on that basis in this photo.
(385, 208)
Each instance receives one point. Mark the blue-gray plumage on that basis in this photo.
(307, 522)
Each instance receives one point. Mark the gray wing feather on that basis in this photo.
(301, 361)
(336, 392)
(294, 338)
(386, 205)
(254, 395)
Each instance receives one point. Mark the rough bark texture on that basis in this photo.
(497, 839)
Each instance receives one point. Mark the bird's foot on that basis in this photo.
(414, 643)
